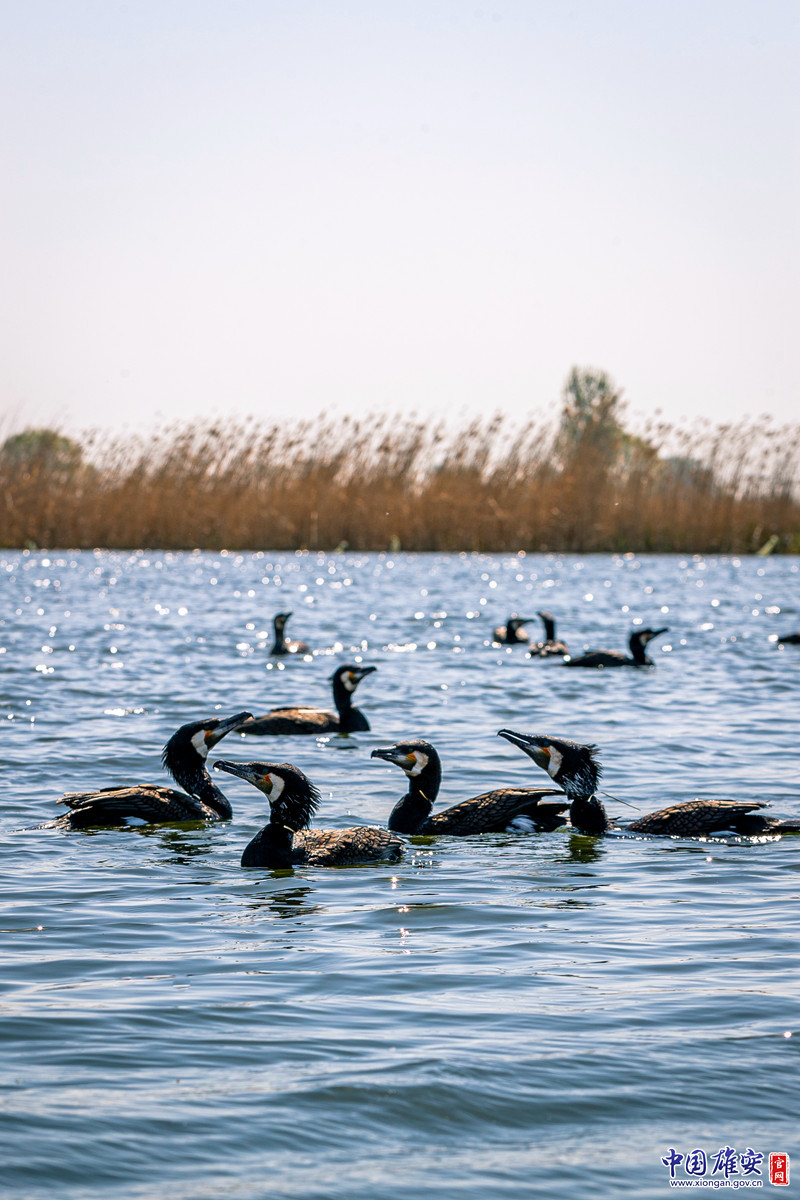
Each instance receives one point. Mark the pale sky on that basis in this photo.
(274, 208)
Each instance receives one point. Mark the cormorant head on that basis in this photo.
(293, 799)
(569, 764)
(279, 621)
(420, 761)
(194, 740)
(643, 636)
(412, 756)
(350, 676)
(514, 623)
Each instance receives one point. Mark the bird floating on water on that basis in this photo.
(504, 809)
(184, 757)
(577, 769)
(512, 632)
(286, 841)
(639, 657)
(297, 720)
(551, 647)
(282, 645)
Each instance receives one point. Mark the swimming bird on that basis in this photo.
(512, 632)
(789, 639)
(346, 719)
(576, 768)
(286, 841)
(281, 644)
(552, 646)
(184, 757)
(491, 812)
(612, 658)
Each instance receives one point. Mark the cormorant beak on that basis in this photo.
(249, 771)
(534, 746)
(227, 725)
(361, 672)
(392, 755)
(654, 633)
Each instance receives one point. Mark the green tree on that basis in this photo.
(590, 429)
(42, 451)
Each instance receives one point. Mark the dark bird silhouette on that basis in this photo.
(282, 645)
(552, 646)
(576, 769)
(613, 658)
(184, 757)
(512, 632)
(491, 812)
(789, 639)
(286, 841)
(346, 719)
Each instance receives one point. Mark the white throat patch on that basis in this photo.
(350, 682)
(277, 787)
(199, 743)
(554, 762)
(420, 763)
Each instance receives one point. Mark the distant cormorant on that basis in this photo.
(346, 719)
(512, 632)
(282, 645)
(552, 646)
(613, 658)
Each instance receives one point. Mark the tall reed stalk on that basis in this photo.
(391, 482)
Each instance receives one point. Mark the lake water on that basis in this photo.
(493, 1017)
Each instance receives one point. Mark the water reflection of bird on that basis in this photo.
(491, 812)
(346, 719)
(576, 768)
(286, 841)
(613, 658)
(512, 632)
(282, 645)
(184, 757)
(552, 646)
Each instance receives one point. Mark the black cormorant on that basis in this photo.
(346, 719)
(552, 646)
(281, 644)
(491, 812)
(613, 658)
(184, 757)
(512, 632)
(576, 769)
(287, 841)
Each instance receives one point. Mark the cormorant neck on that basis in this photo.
(271, 847)
(341, 698)
(191, 774)
(639, 653)
(210, 794)
(410, 813)
(414, 809)
(549, 629)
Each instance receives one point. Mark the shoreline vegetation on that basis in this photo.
(576, 482)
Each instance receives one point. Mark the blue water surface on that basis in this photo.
(498, 1016)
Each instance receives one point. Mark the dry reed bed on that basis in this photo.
(394, 483)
